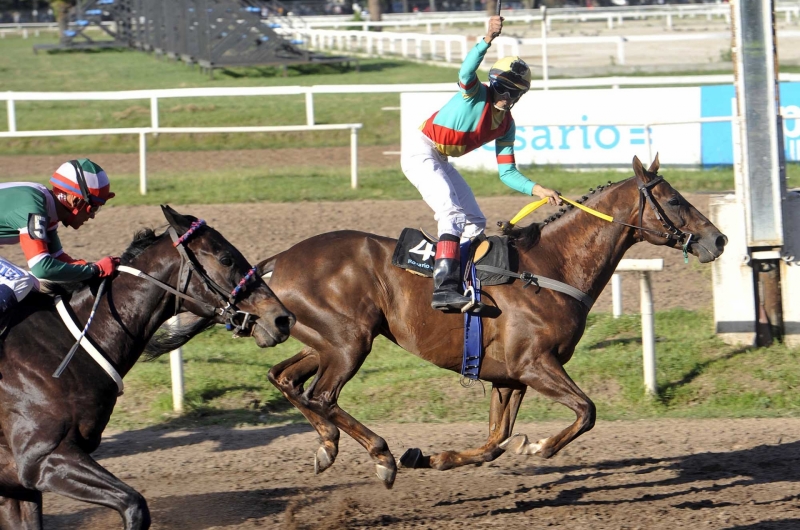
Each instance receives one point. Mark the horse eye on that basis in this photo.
(226, 261)
(674, 201)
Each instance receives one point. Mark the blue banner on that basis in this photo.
(717, 139)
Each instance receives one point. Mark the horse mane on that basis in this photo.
(141, 241)
(173, 335)
(527, 237)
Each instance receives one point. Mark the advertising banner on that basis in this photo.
(720, 100)
(584, 127)
(605, 127)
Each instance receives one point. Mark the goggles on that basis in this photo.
(504, 91)
(91, 209)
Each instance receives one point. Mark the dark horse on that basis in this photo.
(344, 292)
(50, 426)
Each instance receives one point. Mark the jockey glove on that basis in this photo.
(105, 267)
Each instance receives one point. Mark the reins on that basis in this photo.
(645, 194)
(188, 265)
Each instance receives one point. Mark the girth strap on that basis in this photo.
(541, 281)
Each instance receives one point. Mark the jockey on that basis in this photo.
(475, 116)
(29, 215)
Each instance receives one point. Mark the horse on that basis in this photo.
(344, 291)
(49, 426)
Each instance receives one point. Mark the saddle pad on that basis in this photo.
(416, 253)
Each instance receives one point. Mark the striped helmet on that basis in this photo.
(83, 178)
(510, 76)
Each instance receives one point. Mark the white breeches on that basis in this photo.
(443, 188)
(20, 281)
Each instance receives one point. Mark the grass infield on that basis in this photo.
(698, 376)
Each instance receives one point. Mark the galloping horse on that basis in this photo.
(49, 426)
(344, 292)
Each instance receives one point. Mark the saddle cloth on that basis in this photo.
(415, 252)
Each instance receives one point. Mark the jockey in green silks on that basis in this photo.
(29, 216)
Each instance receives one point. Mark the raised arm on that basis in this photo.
(467, 76)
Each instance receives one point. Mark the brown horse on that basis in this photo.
(49, 426)
(344, 292)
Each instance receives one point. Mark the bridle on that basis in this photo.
(235, 320)
(673, 233)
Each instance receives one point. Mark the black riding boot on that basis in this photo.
(447, 288)
(8, 301)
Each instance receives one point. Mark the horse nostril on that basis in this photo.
(721, 241)
(284, 324)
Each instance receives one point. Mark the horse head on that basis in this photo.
(667, 218)
(222, 287)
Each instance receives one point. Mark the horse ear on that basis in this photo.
(655, 165)
(638, 169)
(180, 223)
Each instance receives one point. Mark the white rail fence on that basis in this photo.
(144, 131)
(408, 45)
(154, 96)
(611, 16)
(440, 47)
(35, 28)
(644, 267)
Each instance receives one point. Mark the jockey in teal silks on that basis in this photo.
(30, 214)
(474, 117)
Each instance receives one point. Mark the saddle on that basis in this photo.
(416, 250)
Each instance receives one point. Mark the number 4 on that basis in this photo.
(426, 252)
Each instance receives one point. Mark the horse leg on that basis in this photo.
(322, 398)
(548, 377)
(22, 513)
(502, 414)
(72, 473)
(19, 507)
(289, 377)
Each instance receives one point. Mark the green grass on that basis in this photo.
(698, 377)
(119, 69)
(110, 70)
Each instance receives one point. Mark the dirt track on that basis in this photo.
(667, 474)
(654, 474)
(713, 474)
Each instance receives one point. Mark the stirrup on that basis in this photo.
(474, 306)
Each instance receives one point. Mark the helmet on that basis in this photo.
(510, 76)
(83, 178)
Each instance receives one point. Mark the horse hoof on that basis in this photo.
(322, 460)
(386, 474)
(411, 458)
(516, 443)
